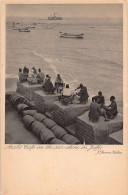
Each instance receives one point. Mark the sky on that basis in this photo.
(66, 10)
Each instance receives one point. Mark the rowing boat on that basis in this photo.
(68, 35)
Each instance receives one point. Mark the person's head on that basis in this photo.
(81, 85)
(25, 67)
(100, 93)
(112, 98)
(39, 70)
(47, 76)
(67, 85)
(20, 70)
(33, 68)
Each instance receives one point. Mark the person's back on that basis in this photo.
(59, 79)
(83, 94)
(112, 108)
(94, 112)
(100, 97)
(48, 86)
(40, 76)
(21, 76)
(25, 70)
(67, 92)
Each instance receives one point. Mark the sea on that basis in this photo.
(96, 60)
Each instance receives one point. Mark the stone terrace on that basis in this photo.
(66, 115)
(43, 102)
(28, 90)
(97, 133)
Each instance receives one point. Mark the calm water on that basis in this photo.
(96, 61)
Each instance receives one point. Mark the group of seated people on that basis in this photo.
(98, 108)
(23, 75)
(68, 96)
(78, 96)
(38, 77)
(32, 76)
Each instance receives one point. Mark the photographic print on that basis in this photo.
(64, 74)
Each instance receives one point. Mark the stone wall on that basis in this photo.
(66, 115)
(97, 133)
(28, 90)
(44, 103)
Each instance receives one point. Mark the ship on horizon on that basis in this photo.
(54, 17)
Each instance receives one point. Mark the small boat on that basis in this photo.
(30, 26)
(68, 35)
(55, 17)
(24, 30)
(15, 28)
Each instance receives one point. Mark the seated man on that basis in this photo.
(101, 98)
(66, 96)
(111, 110)
(32, 77)
(21, 76)
(95, 111)
(45, 79)
(48, 86)
(25, 72)
(83, 94)
(40, 76)
(58, 82)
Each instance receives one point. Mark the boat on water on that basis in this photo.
(68, 35)
(54, 17)
(24, 30)
(30, 26)
(15, 28)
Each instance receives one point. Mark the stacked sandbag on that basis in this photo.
(22, 107)
(28, 120)
(49, 123)
(39, 117)
(37, 127)
(29, 112)
(70, 139)
(58, 131)
(16, 98)
(57, 141)
(43, 132)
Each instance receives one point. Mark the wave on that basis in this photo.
(48, 60)
(11, 76)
